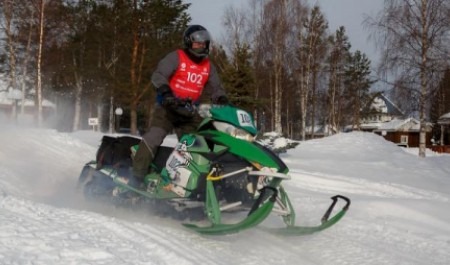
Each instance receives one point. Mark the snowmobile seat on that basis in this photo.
(115, 151)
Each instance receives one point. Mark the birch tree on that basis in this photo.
(39, 63)
(7, 6)
(274, 33)
(275, 28)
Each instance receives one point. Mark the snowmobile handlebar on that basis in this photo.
(331, 207)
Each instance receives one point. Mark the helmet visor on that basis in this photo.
(200, 36)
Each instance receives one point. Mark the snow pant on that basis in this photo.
(164, 121)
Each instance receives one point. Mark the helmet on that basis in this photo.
(196, 33)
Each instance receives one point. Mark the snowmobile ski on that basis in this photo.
(326, 222)
(255, 217)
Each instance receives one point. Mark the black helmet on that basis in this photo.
(196, 33)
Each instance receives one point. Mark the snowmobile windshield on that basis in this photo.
(233, 131)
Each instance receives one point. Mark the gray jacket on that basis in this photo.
(168, 65)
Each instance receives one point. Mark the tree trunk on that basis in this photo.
(39, 64)
(25, 66)
(8, 13)
(134, 83)
(423, 80)
(78, 92)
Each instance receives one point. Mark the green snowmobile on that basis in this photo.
(219, 167)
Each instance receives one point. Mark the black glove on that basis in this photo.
(222, 100)
(168, 99)
(187, 110)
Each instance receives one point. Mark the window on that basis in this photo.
(404, 139)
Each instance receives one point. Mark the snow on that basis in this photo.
(409, 124)
(399, 212)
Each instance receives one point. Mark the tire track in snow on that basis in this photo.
(320, 182)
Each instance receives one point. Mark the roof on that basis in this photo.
(392, 108)
(370, 126)
(410, 125)
(381, 104)
(444, 119)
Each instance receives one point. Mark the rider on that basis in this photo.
(181, 78)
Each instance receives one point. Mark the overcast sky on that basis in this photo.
(349, 13)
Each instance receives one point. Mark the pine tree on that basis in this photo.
(357, 84)
(239, 81)
(338, 59)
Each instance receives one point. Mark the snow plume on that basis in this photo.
(42, 168)
(276, 142)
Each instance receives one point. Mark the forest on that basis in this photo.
(280, 61)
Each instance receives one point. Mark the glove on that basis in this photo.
(222, 100)
(168, 99)
(184, 108)
(163, 89)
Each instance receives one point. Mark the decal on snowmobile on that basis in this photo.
(176, 167)
(245, 120)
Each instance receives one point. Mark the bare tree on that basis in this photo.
(8, 14)
(255, 15)
(27, 55)
(235, 24)
(276, 14)
(414, 35)
(274, 51)
(19, 25)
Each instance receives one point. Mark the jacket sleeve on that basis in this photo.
(213, 87)
(165, 69)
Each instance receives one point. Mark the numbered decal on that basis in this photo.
(244, 119)
(195, 78)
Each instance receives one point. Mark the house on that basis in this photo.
(383, 117)
(379, 111)
(11, 106)
(443, 143)
(404, 132)
(444, 122)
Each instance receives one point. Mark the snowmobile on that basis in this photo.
(221, 168)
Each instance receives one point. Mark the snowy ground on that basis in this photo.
(399, 212)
